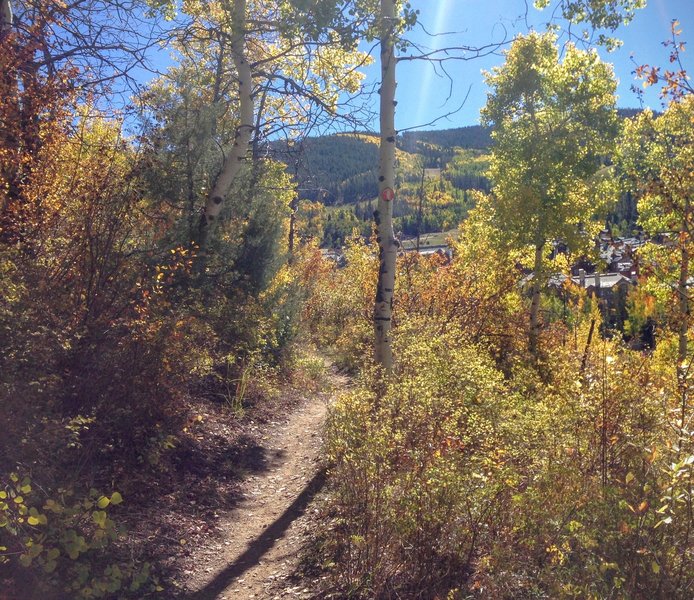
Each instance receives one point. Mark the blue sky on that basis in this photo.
(421, 93)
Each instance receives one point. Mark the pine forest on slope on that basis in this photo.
(337, 181)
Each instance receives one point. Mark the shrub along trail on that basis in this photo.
(263, 535)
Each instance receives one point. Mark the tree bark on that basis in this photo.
(234, 161)
(292, 227)
(534, 334)
(683, 334)
(8, 138)
(683, 292)
(420, 208)
(5, 16)
(584, 360)
(383, 216)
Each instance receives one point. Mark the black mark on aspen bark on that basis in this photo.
(391, 139)
(217, 200)
(381, 178)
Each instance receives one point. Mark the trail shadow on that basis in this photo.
(258, 547)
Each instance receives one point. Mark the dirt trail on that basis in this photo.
(263, 535)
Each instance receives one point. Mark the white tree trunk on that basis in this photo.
(234, 161)
(383, 216)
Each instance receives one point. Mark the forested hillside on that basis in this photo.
(230, 366)
(340, 170)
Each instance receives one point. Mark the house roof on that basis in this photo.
(607, 280)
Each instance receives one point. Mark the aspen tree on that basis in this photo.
(552, 122)
(234, 160)
(279, 66)
(383, 215)
(656, 154)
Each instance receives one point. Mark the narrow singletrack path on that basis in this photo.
(263, 534)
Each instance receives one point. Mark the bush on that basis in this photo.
(554, 480)
(64, 542)
(421, 468)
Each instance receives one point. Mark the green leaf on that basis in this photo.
(50, 566)
(99, 517)
(629, 478)
(25, 560)
(33, 520)
(103, 502)
(116, 498)
(72, 550)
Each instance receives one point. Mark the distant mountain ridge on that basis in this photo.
(473, 137)
(343, 168)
